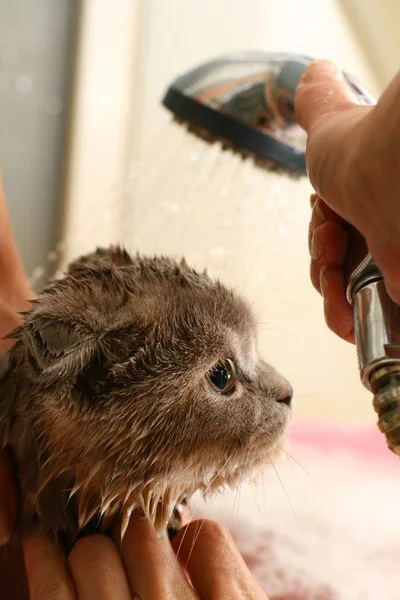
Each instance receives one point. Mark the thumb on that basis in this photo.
(321, 90)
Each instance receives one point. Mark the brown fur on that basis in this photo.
(106, 404)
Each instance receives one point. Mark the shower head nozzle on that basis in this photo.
(246, 101)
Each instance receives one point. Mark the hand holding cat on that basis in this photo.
(145, 568)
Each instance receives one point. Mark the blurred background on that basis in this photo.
(89, 156)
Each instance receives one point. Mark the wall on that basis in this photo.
(376, 25)
(36, 44)
(99, 152)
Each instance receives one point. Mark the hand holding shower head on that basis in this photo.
(246, 101)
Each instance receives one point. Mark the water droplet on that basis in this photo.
(52, 256)
(61, 246)
(194, 157)
(269, 203)
(170, 207)
(277, 249)
(258, 242)
(37, 273)
(108, 216)
(261, 275)
(252, 179)
(58, 274)
(244, 203)
(282, 230)
(224, 193)
(227, 222)
(23, 84)
(208, 477)
(217, 251)
(53, 106)
(103, 102)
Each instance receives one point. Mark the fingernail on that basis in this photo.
(318, 210)
(321, 69)
(313, 199)
(323, 282)
(316, 249)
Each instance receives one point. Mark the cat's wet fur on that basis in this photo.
(106, 404)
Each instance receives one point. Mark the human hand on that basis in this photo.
(146, 568)
(14, 293)
(353, 156)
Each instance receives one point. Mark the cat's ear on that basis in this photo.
(56, 347)
(102, 258)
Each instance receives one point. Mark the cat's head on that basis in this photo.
(147, 373)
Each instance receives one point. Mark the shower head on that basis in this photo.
(246, 102)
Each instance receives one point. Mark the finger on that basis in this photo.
(329, 248)
(322, 90)
(12, 273)
(8, 496)
(321, 213)
(213, 562)
(47, 569)
(151, 565)
(329, 244)
(338, 312)
(97, 569)
(15, 289)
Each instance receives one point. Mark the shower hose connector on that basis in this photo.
(377, 337)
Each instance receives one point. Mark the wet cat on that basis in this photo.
(133, 383)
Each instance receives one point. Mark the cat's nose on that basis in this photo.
(285, 394)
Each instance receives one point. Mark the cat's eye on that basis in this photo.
(222, 377)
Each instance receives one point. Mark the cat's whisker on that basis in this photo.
(298, 463)
(195, 538)
(223, 268)
(256, 501)
(235, 508)
(295, 437)
(204, 493)
(306, 395)
(274, 326)
(284, 490)
(263, 486)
